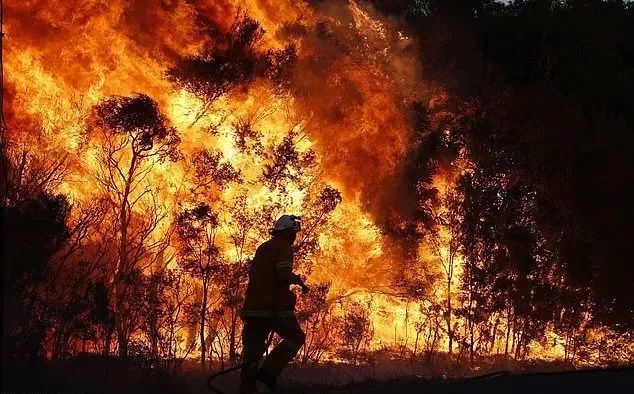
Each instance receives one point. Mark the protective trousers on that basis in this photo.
(254, 341)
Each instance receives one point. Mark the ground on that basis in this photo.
(99, 375)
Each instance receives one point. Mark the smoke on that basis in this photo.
(356, 76)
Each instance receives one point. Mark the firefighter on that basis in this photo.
(269, 306)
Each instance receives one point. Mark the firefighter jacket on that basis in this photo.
(268, 292)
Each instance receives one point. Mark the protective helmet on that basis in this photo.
(288, 222)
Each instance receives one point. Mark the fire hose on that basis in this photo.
(231, 369)
(220, 373)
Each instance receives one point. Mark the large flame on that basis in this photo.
(354, 79)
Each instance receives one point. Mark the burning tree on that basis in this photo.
(131, 137)
(197, 228)
(318, 323)
(356, 330)
(474, 182)
(444, 239)
(233, 59)
(282, 167)
(163, 345)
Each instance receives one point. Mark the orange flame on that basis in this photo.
(350, 90)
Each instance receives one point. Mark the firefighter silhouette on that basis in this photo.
(269, 307)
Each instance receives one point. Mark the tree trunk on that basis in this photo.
(471, 343)
(203, 312)
(449, 330)
(123, 342)
(508, 331)
(494, 334)
(416, 342)
(122, 266)
(232, 337)
(107, 341)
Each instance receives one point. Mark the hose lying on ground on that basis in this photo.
(231, 369)
(220, 373)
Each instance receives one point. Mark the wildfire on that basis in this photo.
(344, 118)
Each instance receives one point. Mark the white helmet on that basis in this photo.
(288, 222)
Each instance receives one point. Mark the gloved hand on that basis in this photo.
(300, 282)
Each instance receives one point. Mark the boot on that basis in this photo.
(269, 380)
(248, 376)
